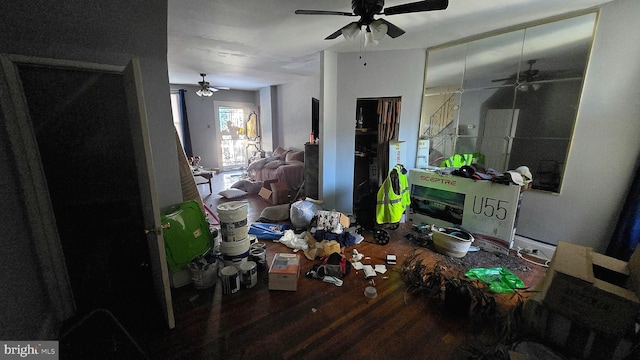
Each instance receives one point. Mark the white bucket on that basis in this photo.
(236, 252)
(203, 278)
(452, 242)
(230, 280)
(233, 220)
(249, 274)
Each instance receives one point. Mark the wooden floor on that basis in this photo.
(321, 320)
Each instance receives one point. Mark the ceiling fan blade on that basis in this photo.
(393, 31)
(503, 79)
(335, 35)
(418, 6)
(352, 32)
(323, 12)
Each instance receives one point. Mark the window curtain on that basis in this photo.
(184, 120)
(388, 124)
(626, 236)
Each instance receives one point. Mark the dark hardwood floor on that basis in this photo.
(321, 320)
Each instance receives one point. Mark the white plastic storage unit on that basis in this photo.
(486, 209)
(396, 154)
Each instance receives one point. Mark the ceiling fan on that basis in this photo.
(206, 89)
(375, 28)
(526, 76)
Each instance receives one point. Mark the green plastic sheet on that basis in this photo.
(500, 280)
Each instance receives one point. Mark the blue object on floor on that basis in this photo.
(268, 231)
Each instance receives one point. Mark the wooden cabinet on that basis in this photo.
(311, 169)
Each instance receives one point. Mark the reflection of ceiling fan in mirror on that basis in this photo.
(528, 75)
(375, 28)
(206, 89)
(526, 78)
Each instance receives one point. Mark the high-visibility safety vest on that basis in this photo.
(393, 196)
(459, 160)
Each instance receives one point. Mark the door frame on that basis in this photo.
(38, 207)
(247, 107)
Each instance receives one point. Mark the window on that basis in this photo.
(177, 119)
(232, 126)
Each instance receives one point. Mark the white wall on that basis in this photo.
(386, 74)
(294, 109)
(605, 147)
(267, 101)
(80, 31)
(201, 116)
(329, 159)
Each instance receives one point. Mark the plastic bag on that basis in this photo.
(267, 231)
(302, 212)
(294, 241)
(500, 280)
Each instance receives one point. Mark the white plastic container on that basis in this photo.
(233, 220)
(236, 252)
(451, 241)
(203, 278)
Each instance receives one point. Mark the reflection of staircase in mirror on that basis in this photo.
(441, 118)
(439, 121)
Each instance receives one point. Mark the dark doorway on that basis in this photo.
(315, 117)
(82, 129)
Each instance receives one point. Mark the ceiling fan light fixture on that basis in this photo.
(369, 40)
(205, 89)
(204, 92)
(378, 29)
(351, 31)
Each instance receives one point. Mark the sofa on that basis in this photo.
(284, 165)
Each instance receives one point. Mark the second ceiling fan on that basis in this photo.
(376, 28)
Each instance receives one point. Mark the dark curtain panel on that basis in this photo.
(388, 123)
(185, 124)
(627, 233)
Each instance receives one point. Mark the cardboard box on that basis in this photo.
(275, 192)
(284, 272)
(593, 289)
(575, 340)
(333, 221)
(486, 209)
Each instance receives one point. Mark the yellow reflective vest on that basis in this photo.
(393, 196)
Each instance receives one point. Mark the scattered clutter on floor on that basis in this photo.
(461, 295)
(581, 309)
(586, 307)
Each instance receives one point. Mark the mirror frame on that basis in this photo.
(465, 81)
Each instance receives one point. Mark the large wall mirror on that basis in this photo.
(510, 99)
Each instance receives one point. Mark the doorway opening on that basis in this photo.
(82, 130)
(232, 131)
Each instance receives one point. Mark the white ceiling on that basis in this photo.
(250, 44)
